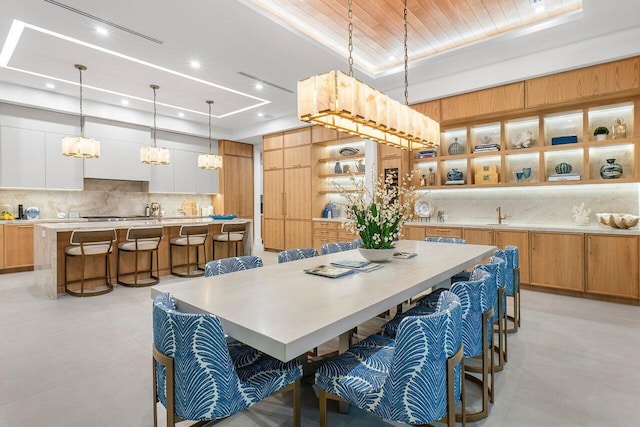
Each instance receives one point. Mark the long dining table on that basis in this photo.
(284, 312)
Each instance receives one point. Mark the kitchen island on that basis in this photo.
(50, 240)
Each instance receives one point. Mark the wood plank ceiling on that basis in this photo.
(434, 26)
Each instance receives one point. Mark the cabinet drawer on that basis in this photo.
(325, 225)
(297, 157)
(345, 236)
(444, 232)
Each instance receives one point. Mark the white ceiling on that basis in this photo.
(230, 37)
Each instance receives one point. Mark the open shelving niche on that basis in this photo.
(586, 156)
(327, 154)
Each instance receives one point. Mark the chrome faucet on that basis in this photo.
(500, 216)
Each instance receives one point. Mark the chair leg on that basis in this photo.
(322, 398)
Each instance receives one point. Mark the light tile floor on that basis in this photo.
(87, 362)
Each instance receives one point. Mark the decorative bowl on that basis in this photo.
(348, 151)
(617, 220)
(377, 255)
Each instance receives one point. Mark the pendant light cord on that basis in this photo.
(155, 129)
(210, 102)
(81, 116)
(350, 16)
(406, 58)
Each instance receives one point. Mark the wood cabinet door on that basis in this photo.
(322, 134)
(414, 232)
(272, 142)
(478, 236)
(297, 137)
(557, 260)
(273, 234)
(297, 189)
(297, 234)
(273, 194)
(232, 177)
(1, 246)
(245, 188)
(612, 265)
(297, 157)
(272, 160)
(18, 246)
(520, 239)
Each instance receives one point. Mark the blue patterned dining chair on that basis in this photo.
(514, 291)
(230, 265)
(414, 379)
(502, 282)
(195, 375)
(331, 248)
(437, 239)
(296, 254)
(476, 312)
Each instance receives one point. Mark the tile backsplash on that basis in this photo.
(99, 197)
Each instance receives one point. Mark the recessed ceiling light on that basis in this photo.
(194, 64)
(50, 86)
(124, 102)
(180, 114)
(102, 31)
(259, 86)
(260, 114)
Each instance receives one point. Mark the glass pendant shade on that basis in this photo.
(155, 155)
(80, 147)
(209, 161)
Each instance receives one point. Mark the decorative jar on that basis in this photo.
(454, 175)
(611, 170)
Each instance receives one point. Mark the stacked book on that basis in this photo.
(365, 266)
(426, 153)
(564, 177)
(455, 182)
(481, 148)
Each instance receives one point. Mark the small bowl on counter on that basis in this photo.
(617, 220)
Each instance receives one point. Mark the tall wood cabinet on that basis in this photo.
(287, 190)
(236, 179)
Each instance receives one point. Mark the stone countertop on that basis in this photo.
(82, 220)
(168, 222)
(557, 228)
(595, 228)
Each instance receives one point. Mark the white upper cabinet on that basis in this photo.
(186, 171)
(23, 158)
(61, 172)
(207, 181)
(163, 176)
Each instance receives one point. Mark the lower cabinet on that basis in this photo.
(557, 260)
(414, 232)
(443, 232)
(18, 245)
(478, 236)
(1, 247)
(329, 232)
(612, 265)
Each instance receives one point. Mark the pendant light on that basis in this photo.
(79, 146)
(154, 155)
(209, 161)
(338, 101)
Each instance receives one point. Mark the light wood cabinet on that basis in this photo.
(557, 260)
(499, 99)
(414, 232)
(1, 246)
(237, 178)
(18, 245)
(287, 190)
(612, 265)
(520, 239)
(438, 231)
(478, 236)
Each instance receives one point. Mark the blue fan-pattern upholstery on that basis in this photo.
(513, 265)
(489, 272)
(331, 248)
(403, 380)
(229, 265)
(357, 242)
(296, 254)
(436, 239)
(209, 383)
(500, 258)
(508, 269)
(474, 300)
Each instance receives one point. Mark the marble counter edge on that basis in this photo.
(596, 228)
(70, 226)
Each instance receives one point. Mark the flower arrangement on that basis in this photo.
(378, 215)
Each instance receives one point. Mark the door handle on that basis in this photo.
(533, 242)
(589, 244)
(283, 202)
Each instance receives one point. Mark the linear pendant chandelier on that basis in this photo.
(154, 155)
(79, 146)
(339, 101)
(209, 161)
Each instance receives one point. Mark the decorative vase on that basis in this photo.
(611, 170)
(455, 148)
(601, 137)
(377, 255)
(338, 168)
(454, 175)
(562, 168)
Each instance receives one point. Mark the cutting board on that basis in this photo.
(189, 207)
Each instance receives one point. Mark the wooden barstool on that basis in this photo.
(231, 232)
(190, 236)
(88, 244)
(139, 240)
